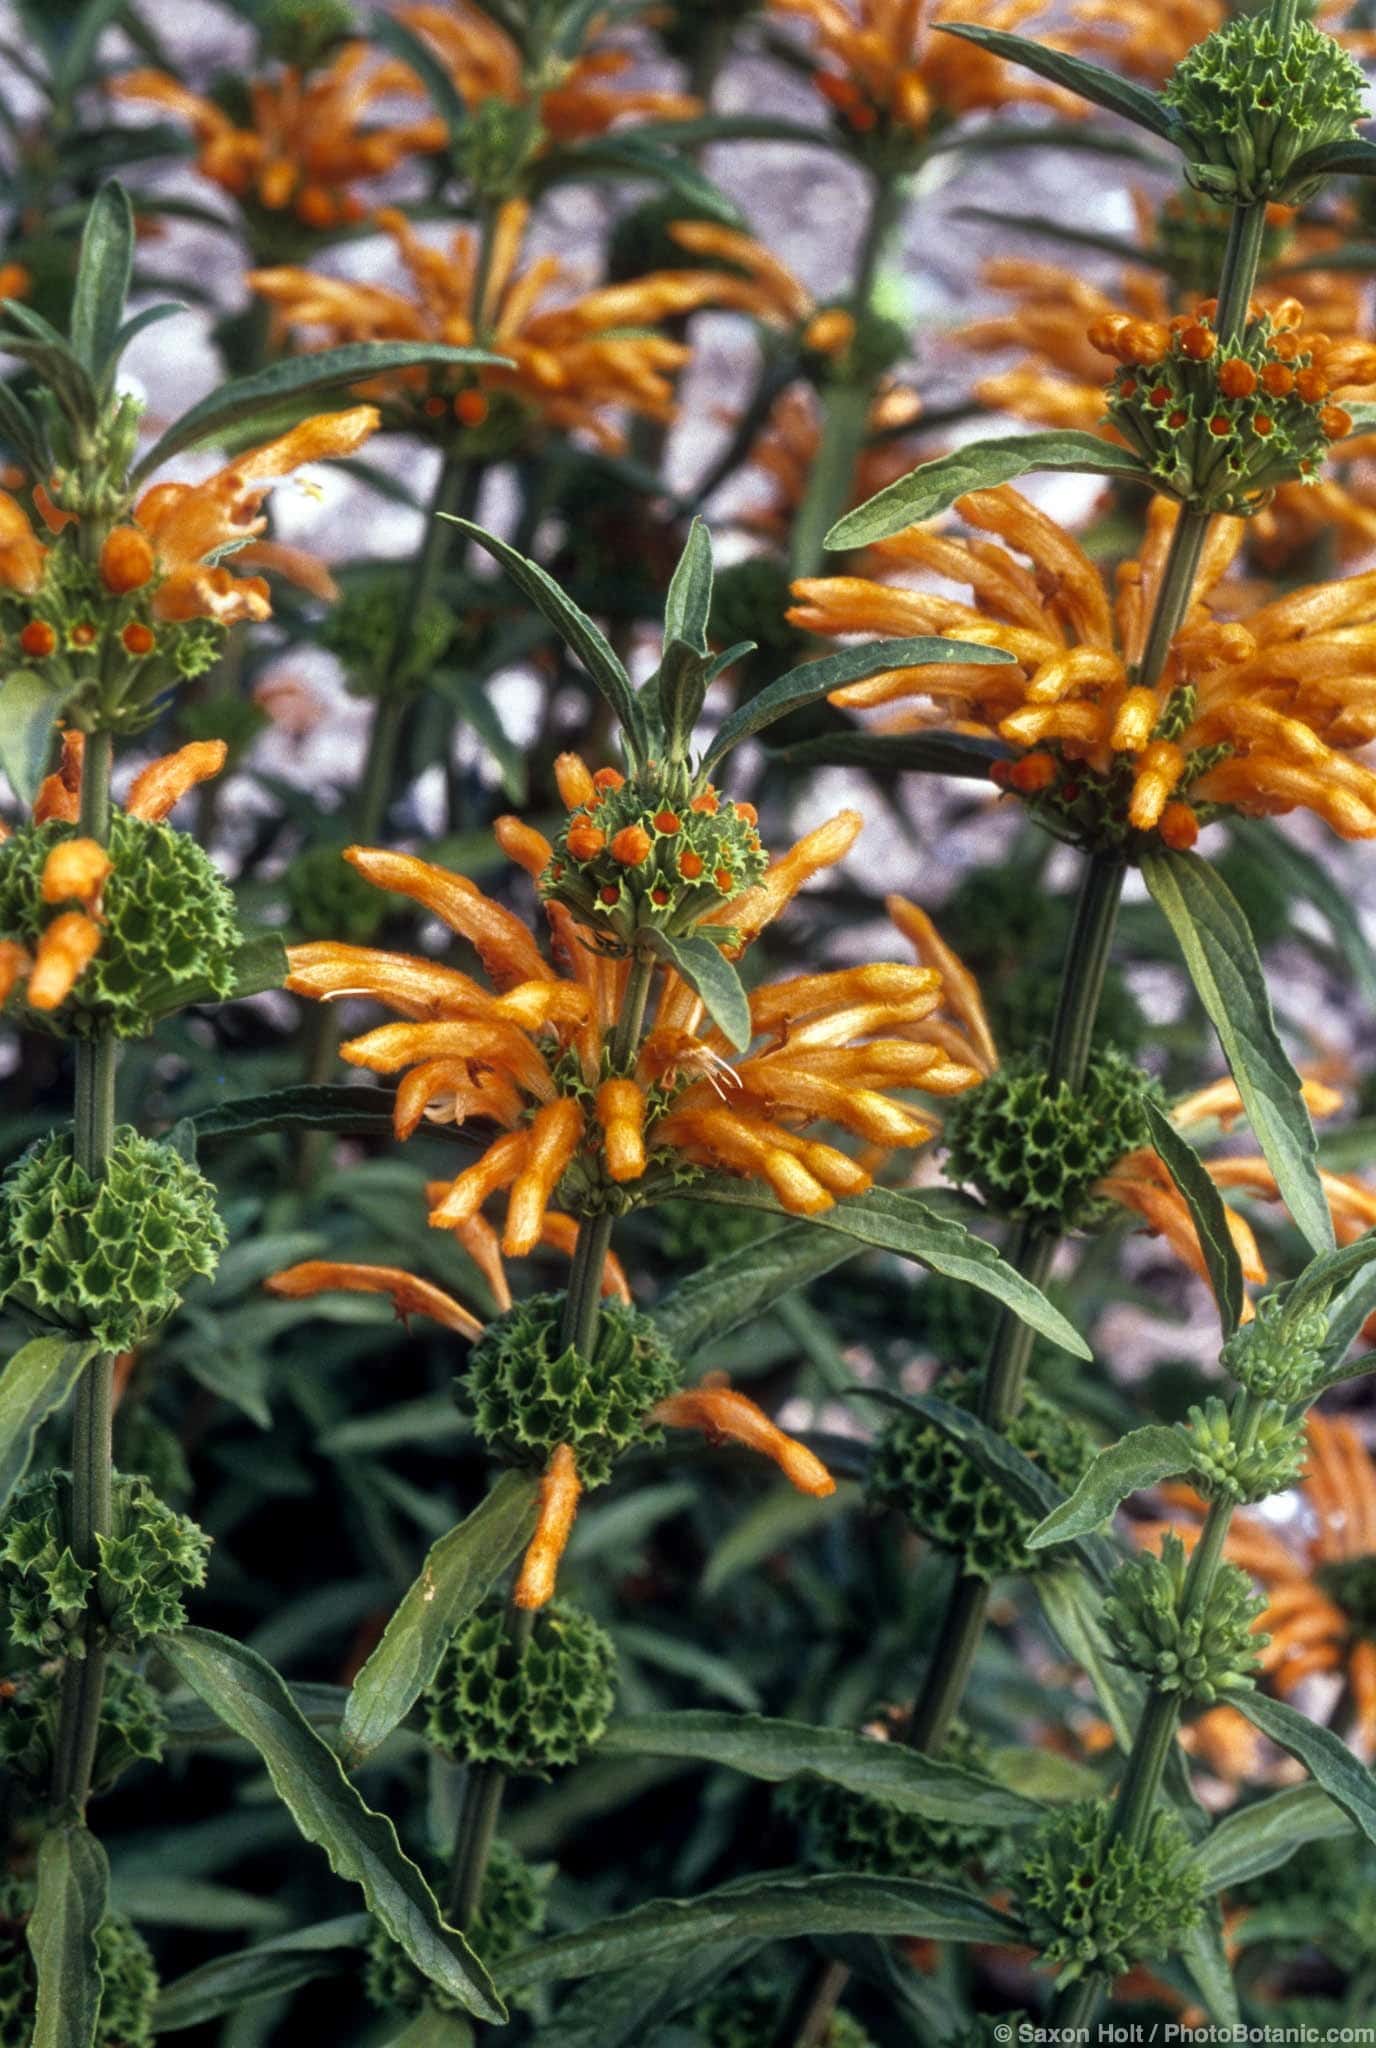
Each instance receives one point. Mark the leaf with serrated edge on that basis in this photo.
(1347, 1781)
(1221, 959)
(1200, 1195)
(1140, 1459)
(455, 1577)
(934, 486)
(33, 1386)
(69, 1905)
(361, 1845)
(775, 1751)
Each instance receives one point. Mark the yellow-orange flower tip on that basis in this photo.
(830, 332)
(14, 965)
(621, 1113)
(156, 789)
(574, 780)
(550, 1142)
(409, 1296)
(75, 872)
(64, 951)
(560, 1491)
(523, 844)
(726, 1416)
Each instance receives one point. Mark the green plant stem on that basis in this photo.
(482, 1805)
(1241, 260)
(83, 1678)
(953, 1653)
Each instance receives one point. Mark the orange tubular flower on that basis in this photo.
(1262, 716)
(309, 142)
(75, 871)
(881, 60)
(526, 1055)
(159, 787)
(560, 1492)
(409, 1296)
(725, 1416)
(585, 98)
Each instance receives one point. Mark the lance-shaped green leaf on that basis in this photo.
(361, 1845)
(25, 434)
(455, 1577)
(1304, 877)
(270, 1969)
(1352, 157)
(904, 1223)
(419, 56)
(775, 1751)
(433, 2029)
(1210, 1219)
(265, 392)
(1347, 1313)
(776, 1909)
(732, 1290)
(1090, 81)
(360, 1110)
(1262, 1836)
(814, 679)
(1330, 1272)
(103, 270)
(1142, 1458)
(69, 1905)
(1348, 1782)
(712, 976)
(1221, 958)
(573, 626)
(688, 606)
(33, 1386)
(1204, 1953)
(28, 719)
(960, 754)
(934, 486)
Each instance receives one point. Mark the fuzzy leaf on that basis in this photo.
(1347, 1781)
(775, 1751)
(456, 1575)
(1221, 959)
(361, 1845)
(1205, 1204)
(270, 1969)
(104, 268)
(28, 718)
(33, 1386)
(711, 975)
(69, 1905)
(934, 486)
(1090, 81)
(1254, 1839)
(1141, 1458)
(814, 679)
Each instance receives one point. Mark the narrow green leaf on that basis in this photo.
(1254, 1839)
(25, 434)
(688, 606)
(735, 1289)
(1221, 959)
(361, 1845)
(934, 486)
(1346, 1316)
(270, 1969)
(1305, 877)
(1142, 1458)
(103, 270)
(358, 1109)
(28, 719)
(1348, 1782)
(69, 1905)
(456, 1575)
(777, 1909)
(1331, 1270)
(573, 626)
(1204, 1954)
(902, 1222)
(1352, 157)
(335, 369)
(933, 753)
(1205, 1204)
(33, 1386)
(814, 679)
(775, 1751)
(413, 50)
(628, 2008)
(711, 975)
(1091, 82)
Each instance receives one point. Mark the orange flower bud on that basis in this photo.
(611, 895)
(667, 821)
(14, 962)
(470, 408)
(621, 1113)
(127, 560)
(631, 845)
(1034, 773)
(1312, 386)
(164, 782)
(560, 1490)
(690, 866)
(1263, 424)
(83, 635)
(1237, 379)
(706, 803)
(574, 782)
(585, 840)
(1198, 342)
(138, 639)
(38, 639)
(314, 207)
(1335, 422)
(75, 871)
(608, 778)
(1220, 425)
(748, 812)
(1277, 381)
(1179, 827)
(724, 880)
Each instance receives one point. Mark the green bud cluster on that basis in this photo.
(133, 1727)
(104, 1258)
(497, 142)
(849, 1831)
(128, 1980)
(654, 853)
(149, 1558)
(362, 629)
(530, 1392)
(1247, 104)
(945, 1496)
(511, 1912)
(1091, 1902)
(1279, 1354)
(328, 899)
(531, 1711)
(1224, 1468)
(750, 601)
(302, 32)
(1037, 1152)
(170, 930)
(751, 2007)
(1203, 1655)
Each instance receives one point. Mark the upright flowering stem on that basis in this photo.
(83, 1678)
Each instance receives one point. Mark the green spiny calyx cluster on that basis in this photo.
(530, 1392)
(133, 1727)
(1201, 1655)
(654, 853)
(128, 1980)
(1248, 104)
(169, 928)
(1093, 1901)
(104, 1258)
(1229, 1463)
(531, 1710)
(751, 2007)
(147, 1560)
(511, 1912)
(1279, 1354)
(1038, 1151)
(843, 1830)
(945, 1496)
